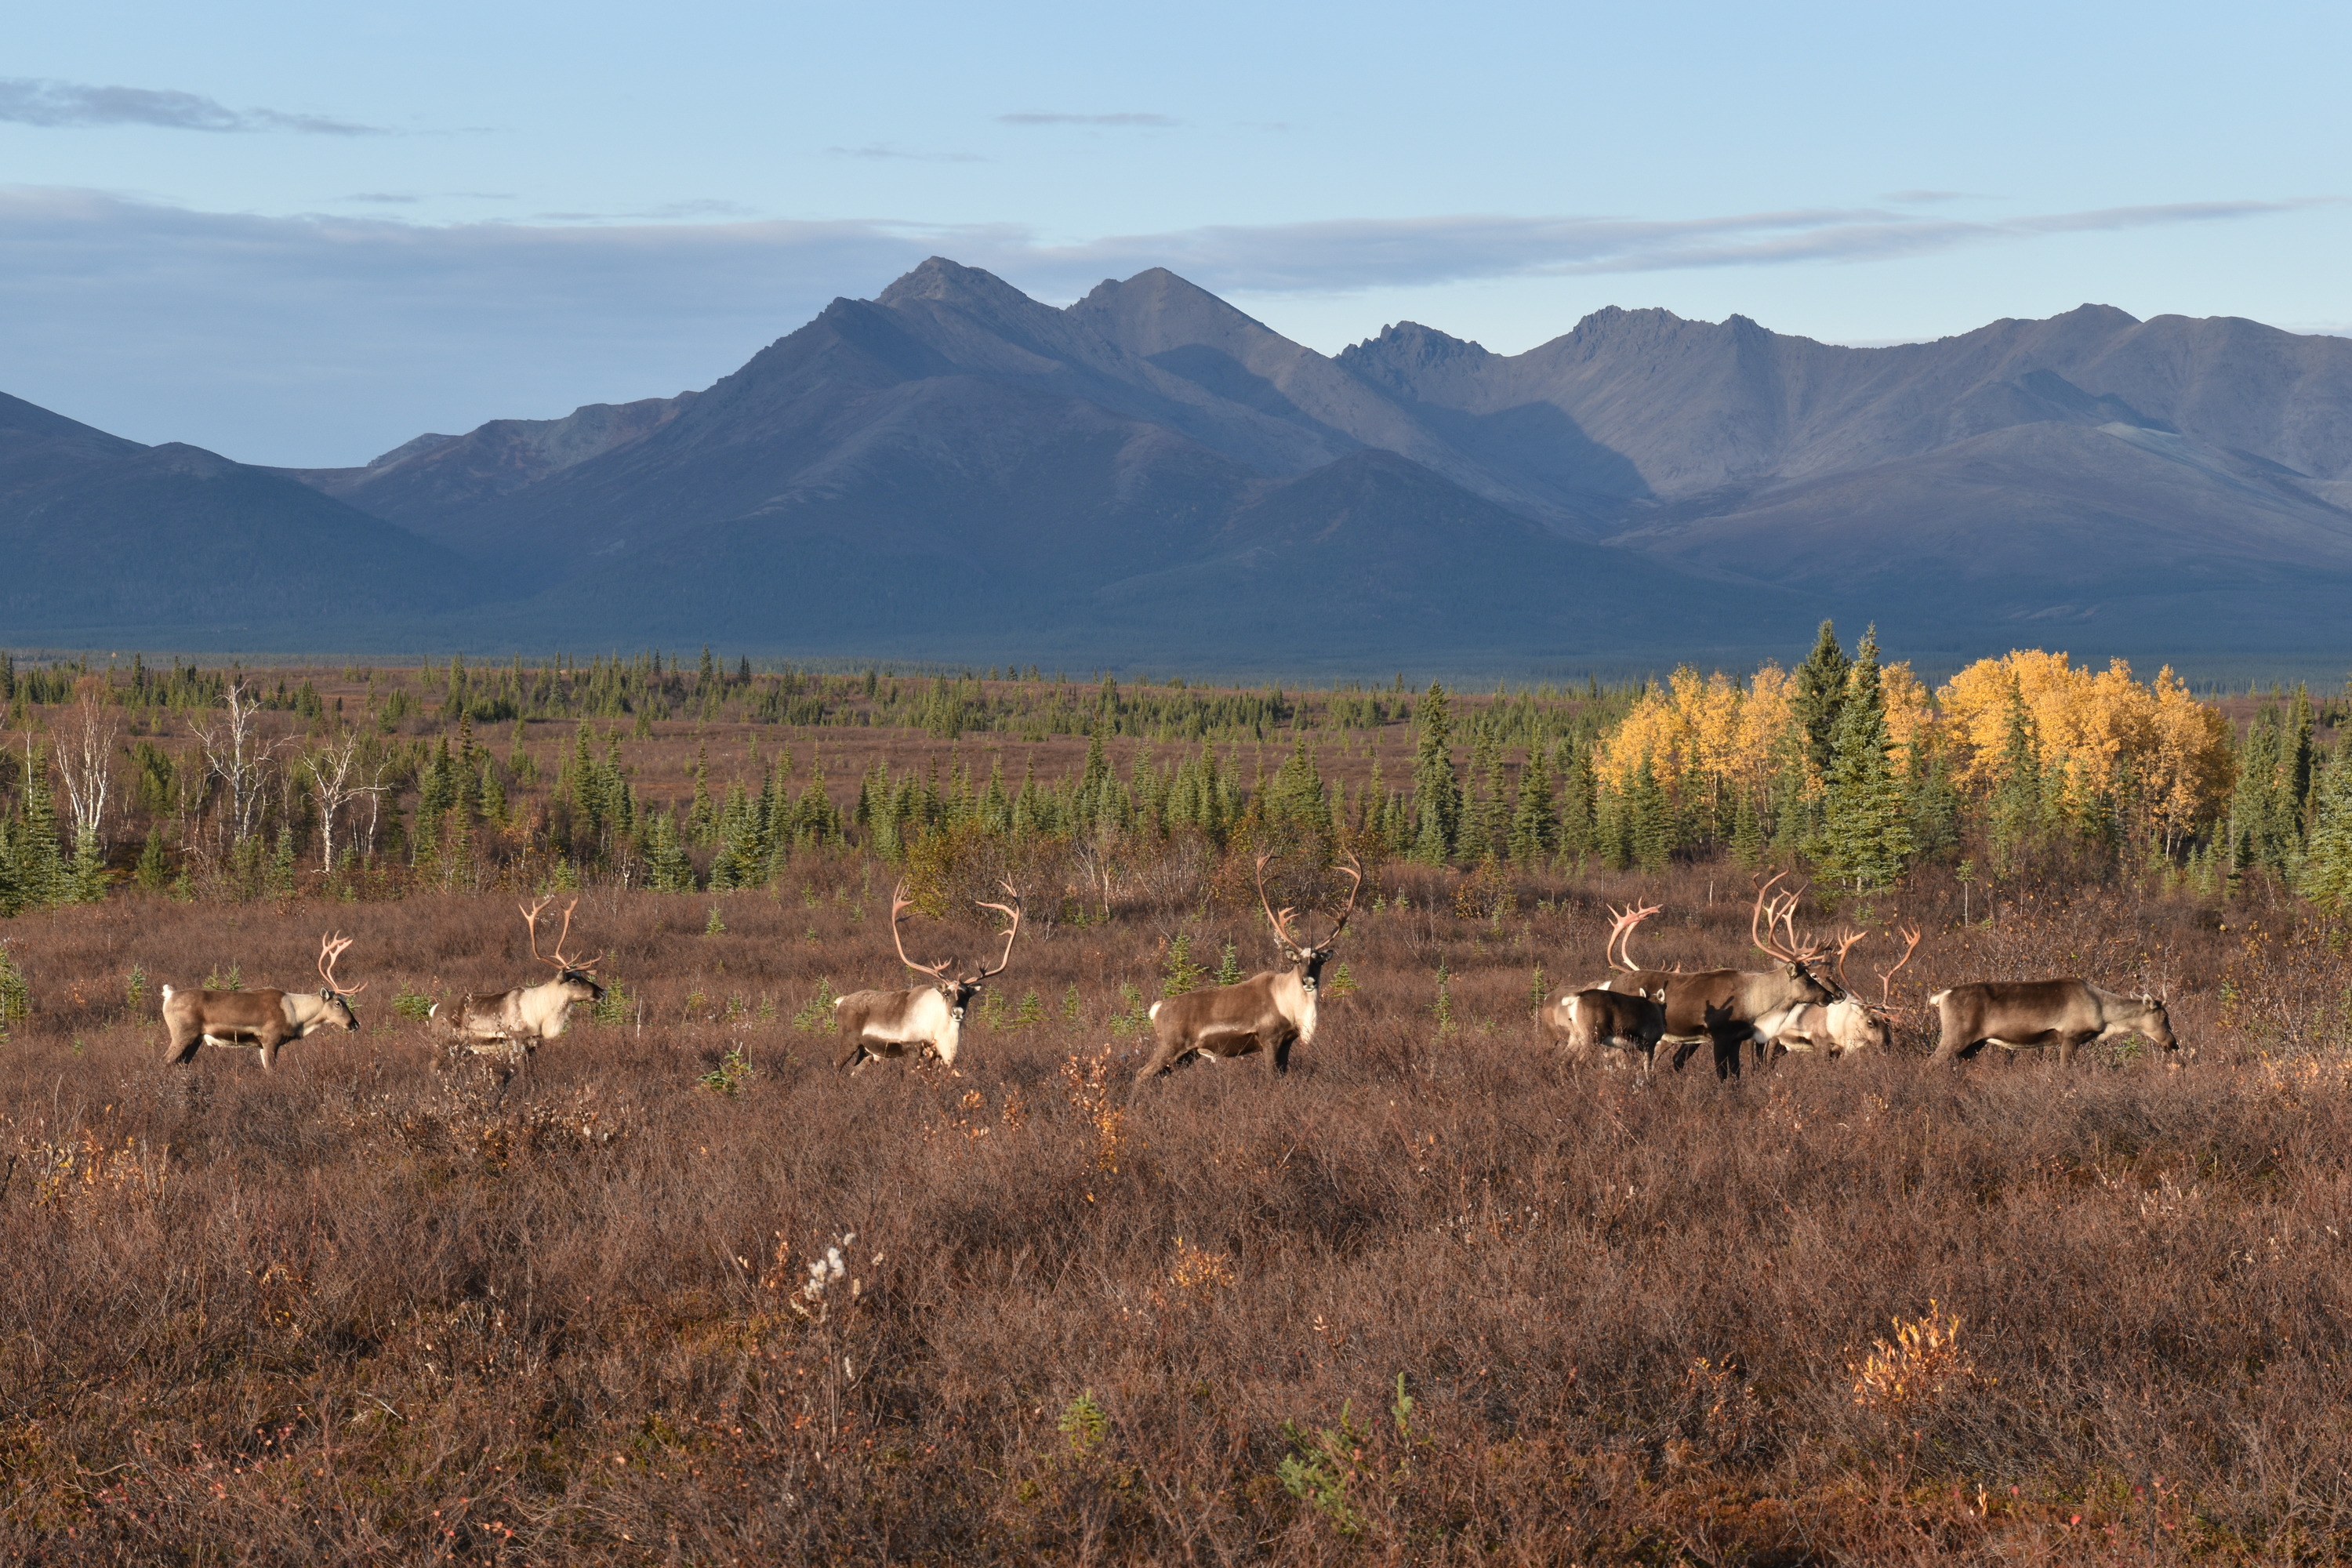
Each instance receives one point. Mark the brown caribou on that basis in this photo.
(267, 1019)
(1266, 1014)
(516, 1021)
(1849, 1024)
(2017, 1014)
(1729, 1007)
(927, 1018)
(1595, 1018)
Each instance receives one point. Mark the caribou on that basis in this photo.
(267, 1019)
(1849, 1024)
(926, 1019)
(516, 1021)
(1727, 1007)
(1582, 1021)
(1266, 1014)
(2017, 1014)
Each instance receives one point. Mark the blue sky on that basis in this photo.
(301, 235)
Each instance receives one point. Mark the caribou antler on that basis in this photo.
(1281, 919)
(531, 921)
(900, 905)
(1886, 976)
(1782, 912)
(1846, 944)
(1355, 868)
(1012, 911)
(331, 948)
(1619, 955)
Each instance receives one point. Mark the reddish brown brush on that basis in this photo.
(360, 1311)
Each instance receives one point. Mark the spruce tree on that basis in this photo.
(1821, 696)
(1866, 827)
(40, 868)
(2265, 830)
(1649, 820)
(2300, 756)
(667, 870)
(2325, 876)
(1747, 835)
(1437, 795)
(1535, 820)
(2014, 812)
(1487, 829)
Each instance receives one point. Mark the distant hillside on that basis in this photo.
(954, 470)
(108, 540)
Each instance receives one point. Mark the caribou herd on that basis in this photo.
(1801, 1002)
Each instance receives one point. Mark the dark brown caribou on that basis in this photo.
(1587, 1020)
(926, 1019)
(2017, 1014)
(266, 1019)
(1266, 1015)
(1729, 1007)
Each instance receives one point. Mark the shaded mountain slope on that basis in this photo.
(433, 477)
(120, 542)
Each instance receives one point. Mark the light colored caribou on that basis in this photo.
(927, 1018)
(1728, 1007)
(1266, 1014)
(2017, 1014)
(267, 1019)
(1849, 1024)
(515, 1022)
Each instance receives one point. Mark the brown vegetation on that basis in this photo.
(1433, 1298)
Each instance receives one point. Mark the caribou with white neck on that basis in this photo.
(516, 1021)
(925, 1019)
(260, 1019)
(1266, 1015)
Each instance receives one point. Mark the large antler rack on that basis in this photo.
(1281, 918)
(1010, 911)
(531, 922)
(1619, 951)
(1780, 912)
(331, 948)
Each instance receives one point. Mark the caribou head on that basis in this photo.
(1304, 958)
(335, 1000)
(956, 987)
(577, 979)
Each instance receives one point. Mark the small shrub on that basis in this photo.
(818, 1014)
(1083, 1423)
(734, 1070)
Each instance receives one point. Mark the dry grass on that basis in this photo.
(1839, 1312)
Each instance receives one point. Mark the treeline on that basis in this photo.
(1847, 765)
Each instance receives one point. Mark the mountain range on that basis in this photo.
(954, 471)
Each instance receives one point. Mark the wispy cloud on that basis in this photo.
(1338, 255)
(878, 151)
(1147, 121)
(36, 101)
(383, 198)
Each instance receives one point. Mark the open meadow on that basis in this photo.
(1433, 1296)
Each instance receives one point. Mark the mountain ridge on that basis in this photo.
(952, 463)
